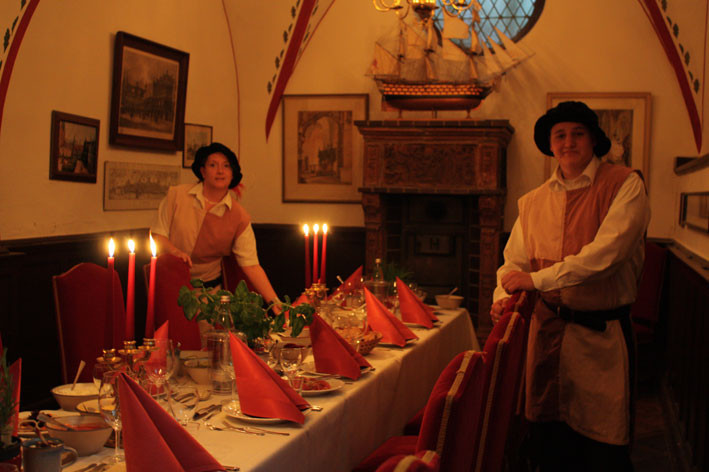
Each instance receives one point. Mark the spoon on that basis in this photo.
(78, 373)
(48, 419)
(452, 291)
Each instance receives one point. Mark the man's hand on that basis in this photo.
(515, 281)
(182, 255)
(496, 309)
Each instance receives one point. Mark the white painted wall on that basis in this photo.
(66, 59)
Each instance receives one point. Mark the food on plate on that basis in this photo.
(315, 384)
(79, 390)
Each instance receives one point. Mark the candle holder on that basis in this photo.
(131, 357)
(316, 293)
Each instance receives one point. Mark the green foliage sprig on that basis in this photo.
(247, 310)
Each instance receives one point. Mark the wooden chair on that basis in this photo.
(171, 273)
(645, 312)
(90, 316)
(424, 461)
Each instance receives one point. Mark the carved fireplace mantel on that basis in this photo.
(433, 196)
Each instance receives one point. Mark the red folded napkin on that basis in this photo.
(352, 281)
(332, 353)
(412, 309)
(382, 320)
(262, 392)
(153, 440)
(15, 370)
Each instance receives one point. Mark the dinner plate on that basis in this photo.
(334, 385)
(232, 410)
(89, 406)
(417, 325)
(309, 368)
(408, 341)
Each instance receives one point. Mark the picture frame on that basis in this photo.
(196, 136)
(73, 149)
(625, 117)
(136, 186)
(322, 147)
(694, 211)
(148, 94)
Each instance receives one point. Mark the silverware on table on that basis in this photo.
(266, 431)
(202, 412)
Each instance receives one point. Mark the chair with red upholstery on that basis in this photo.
(645, 311)
(87, 320)
(171, 273)
(423, 461)
(232, 274)
(450, 422)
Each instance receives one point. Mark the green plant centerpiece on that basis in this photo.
(248, 313)
(7, 403)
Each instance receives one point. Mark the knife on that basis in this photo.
(202, 412)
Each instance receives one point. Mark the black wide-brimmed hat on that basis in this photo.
(576, 112)
(200, 158)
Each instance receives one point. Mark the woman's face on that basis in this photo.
(572, 145)
(216, 172)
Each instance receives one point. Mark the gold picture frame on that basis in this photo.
(322, 147)
(625, 117)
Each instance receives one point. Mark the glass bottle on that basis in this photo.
(224, 314)
(219, 348)
(377, 272)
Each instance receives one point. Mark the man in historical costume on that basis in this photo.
(579, 241)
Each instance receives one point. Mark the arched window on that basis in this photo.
(513, 17)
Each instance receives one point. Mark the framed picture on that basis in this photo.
(625, 118)
(322, 148)
(694, 211)
(132, 186)
(196, 136)
(73, 150)
(148, 98)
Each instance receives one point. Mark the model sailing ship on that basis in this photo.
(418, 67)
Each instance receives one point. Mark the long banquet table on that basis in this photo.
(355, 419)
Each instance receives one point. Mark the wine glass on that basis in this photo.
(183, 400)
(291, 358)
(110, 408)
(161, 364)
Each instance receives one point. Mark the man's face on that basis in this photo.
(572, 146)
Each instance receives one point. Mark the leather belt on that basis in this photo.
(213, 283)
(595, 320)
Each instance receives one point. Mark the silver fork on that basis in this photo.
(232, 428)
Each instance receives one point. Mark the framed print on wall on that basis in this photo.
(133, 186)
(322, 148)
(196, 136)
(73, 150)
(148, 97)
(694, 211)
(625, 118)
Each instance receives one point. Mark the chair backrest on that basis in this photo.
(422, 461)
(646, 308)
(87, 321)
(171, 273)
(232, 274)
(504, 355)
(451, 418)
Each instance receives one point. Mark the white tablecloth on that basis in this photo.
(356, 419)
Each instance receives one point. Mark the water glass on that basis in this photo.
(183, 400)
(110, 408)
(291, 358)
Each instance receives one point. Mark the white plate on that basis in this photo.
(232, 410)
(309, 368)
(408, 341)
(335, 384)
(416, 325)
(89, 406)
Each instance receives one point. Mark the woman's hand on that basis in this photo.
(516, 280)
(496, 309)
(182, 255)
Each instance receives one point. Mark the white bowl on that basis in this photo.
(92, 435)
(198, 370)
(449, 302)
(68, 399)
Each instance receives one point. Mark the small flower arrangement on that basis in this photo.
(248, 313)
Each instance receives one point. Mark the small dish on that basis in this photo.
(319, 387)
(90, 407)
(232, 410)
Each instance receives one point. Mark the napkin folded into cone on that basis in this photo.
(381, 319)
(153, 440)
(332, 353)
(262, 392)
(352, 281)
(412, 309)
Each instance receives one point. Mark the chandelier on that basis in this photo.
(425, 8)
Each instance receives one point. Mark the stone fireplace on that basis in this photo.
(433, 196)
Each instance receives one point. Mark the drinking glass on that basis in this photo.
(183, 400)
(226, 364)
(291, 359)
(110, 409)
(161, 364)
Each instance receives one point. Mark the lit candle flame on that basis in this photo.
(131, 246)
(316, 228)
(306, 229)
(111, 247)
(153, 247)
(324, 228)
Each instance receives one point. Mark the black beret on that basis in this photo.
(200, 158)
(575, 112)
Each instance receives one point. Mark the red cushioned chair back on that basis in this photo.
(232, 274)
(85, 320)
(645, 311)
(504, 359)
(451, 419)
(422, 461)
(171, 273)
